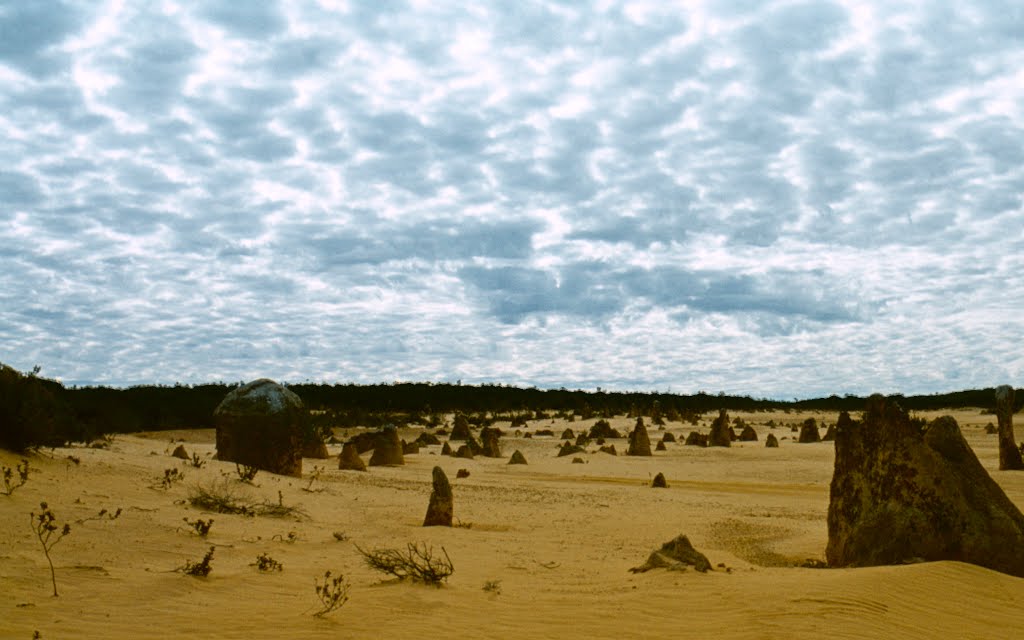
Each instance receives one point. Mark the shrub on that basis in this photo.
(49, 534)
(10, 484)
(34, 412)
(199, 569)
(266, 564)
(333, 593)
(196, 461)
(221, 497)
(246, 473)
(416, 562)
(200, 526)
(171, 477)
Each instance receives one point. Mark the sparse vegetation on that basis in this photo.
(199, 526)
(49, 533)
(246, 473)
(196, 461)
(416, 562)
(493, 586)
(221, 497)
(103, 514)
(171, 477)
(10, 483)
(199, 569)
(340, 536)
(265, 564)
(314, 475)
(333, 593)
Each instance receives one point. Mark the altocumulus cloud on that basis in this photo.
(776, 198)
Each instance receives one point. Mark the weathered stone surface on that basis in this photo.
(659, 481)
(446, 449)
(568, 435)
(676, 554)
(721, 434)
(668, 437)
(809, 431)
(349, 458)
(388, 450)
(603, 429)
(364, 441)
(1009, 454)
(460, 428)
(582, 439)
(427, 439)
(410, 448)
(517, 458)
(179, 452)
(830, 434)
(639, 442)
(609, 449)
(442, 504)
(315, 449)
(261, 425)
(748, 434)
(568, 449)
(578, 461)
(696, 439)
(462, 473)
(902, 491)
(464, 451)
(771, 441)
(661, 446)
(489, 446)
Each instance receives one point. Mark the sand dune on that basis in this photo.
(557, 537)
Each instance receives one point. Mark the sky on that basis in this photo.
(775, 199)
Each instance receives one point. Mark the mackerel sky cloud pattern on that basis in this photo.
(782, 199)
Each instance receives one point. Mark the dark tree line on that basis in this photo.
(35, 411)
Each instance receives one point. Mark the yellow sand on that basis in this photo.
(558, 539)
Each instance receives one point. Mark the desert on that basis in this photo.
(539, 550)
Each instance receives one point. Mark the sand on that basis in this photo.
(555, 539)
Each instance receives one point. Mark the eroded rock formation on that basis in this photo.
(261, 425)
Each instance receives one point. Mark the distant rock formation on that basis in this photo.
(464, 451)
(771, 441)
(676, 554)
(517, 458)
(1009, 454)
(830, 434)
(349, 458)
(809, 431)
(603, 429)
(661, 446)
(179, 452)
(902, 491)
(261, 425)
(489, 446)
(388, 449)
(441, 506)
(364, 441)
(748, 434)
(460, 428)
(639, 442)
(427, 439)
(446, 449)
(696, 439)
(721, 434)
(668, 437)
(659, 481)
(462, 473)
(609, 449)
(568, 434)
(314, 448)
(568, 449)
(410, 448)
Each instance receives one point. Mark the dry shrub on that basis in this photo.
(416, 562)
(222, 497)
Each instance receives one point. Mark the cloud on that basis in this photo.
(733, 196)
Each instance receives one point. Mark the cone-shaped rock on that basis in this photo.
(446, 450)
(179, 452)
(696, 439)
(603, 429)
(1009, 454)
(659, 481)
(748, 434)
(609, 449)
(410, 448)
(668, 437)
(460, 430)
(568, 449)
(830, 434)
(901, 491)
(661, 446)
(489, 446)
(388, 450)
(809, 431)
(639, 443)
(261, 425)
(349, 458)
(721, 434)
(771, 441)
(675, 554)
(568, 435)
(464, 451)
(441, 506)
(517, 458)
(315, 449)
(426, 439)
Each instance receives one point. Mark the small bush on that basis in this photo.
(103, 514)
(199, 569)
(171, 477)
(493, 586)
(246, 473)
(49, 534)
(221, 497)
(266, 564)
(417, 562)
(10, 484)
(200, 526)
(333, 593)
(196, 461)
